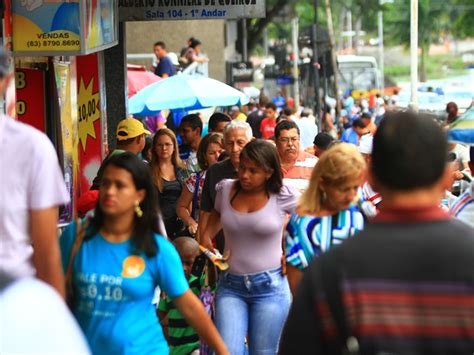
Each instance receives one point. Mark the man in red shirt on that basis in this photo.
(267, 127)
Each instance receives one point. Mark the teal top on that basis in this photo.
(114, 291)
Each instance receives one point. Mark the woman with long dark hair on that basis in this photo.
(253, 297)
(166, 171)
(121, 261)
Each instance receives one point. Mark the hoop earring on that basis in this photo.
(138, 210)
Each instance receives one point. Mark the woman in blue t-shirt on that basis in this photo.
(121, 261)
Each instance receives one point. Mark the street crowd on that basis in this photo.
(265, 235)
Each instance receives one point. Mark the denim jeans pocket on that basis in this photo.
(270, 282)
(229, 282)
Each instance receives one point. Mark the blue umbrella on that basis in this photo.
(184, 92)
(462, 129)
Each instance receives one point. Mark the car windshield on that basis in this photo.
(429, 99)
(460, 95)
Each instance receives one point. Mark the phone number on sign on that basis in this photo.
(53, 43)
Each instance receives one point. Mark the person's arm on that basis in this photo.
(207, 204)
(202, 225)
(213, 226)
(193, 311)
(198, 59)
(202, 60)
(163, 318)
(183, 210)
(161, 315)
(294, 277)
(46, 252)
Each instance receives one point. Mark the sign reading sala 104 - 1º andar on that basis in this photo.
(149, 10)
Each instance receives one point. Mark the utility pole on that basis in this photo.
(265, 42)
(381, 49)
(414, 54)
(245, 56)
(349, 28)
(296, 83)
(333, 58)
(317, 104)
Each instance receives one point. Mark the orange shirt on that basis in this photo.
(299, 174)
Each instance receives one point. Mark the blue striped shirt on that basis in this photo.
(308, 236)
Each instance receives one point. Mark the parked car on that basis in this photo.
(428, 102)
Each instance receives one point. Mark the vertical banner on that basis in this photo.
(62, 74)
(89, 119)
(100, 18)
(7, 24)
(30, 97)
(10, 97)
(103, 105)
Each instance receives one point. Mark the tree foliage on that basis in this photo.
(304, 10)
(433, 19)
(462, 17)
(436, 18)
(256, 27)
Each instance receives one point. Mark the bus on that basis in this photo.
(358, 74)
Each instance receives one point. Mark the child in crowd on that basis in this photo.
(182, 338)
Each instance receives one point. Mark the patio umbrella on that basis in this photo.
(138, 78)
(252, 92)
(186, 93)
(462, 129)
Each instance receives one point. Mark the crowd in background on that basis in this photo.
(267, 234)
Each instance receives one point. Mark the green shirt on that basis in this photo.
(183, 339)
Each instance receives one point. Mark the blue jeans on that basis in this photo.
(253, 305)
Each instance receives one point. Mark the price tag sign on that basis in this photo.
(88, 119)
(88, 111)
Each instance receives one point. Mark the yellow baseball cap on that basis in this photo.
(130, 128)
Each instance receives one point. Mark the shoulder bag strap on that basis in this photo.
(195, 196)
(80, 233)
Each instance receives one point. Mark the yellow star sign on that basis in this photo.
(88, 111)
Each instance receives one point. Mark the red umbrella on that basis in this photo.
(138, 78)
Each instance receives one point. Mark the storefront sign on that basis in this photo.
(285, 80)
(62, 74)
(149, 10)
(241, 72)
(63, 27)
(89, 115)
(30, 97)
